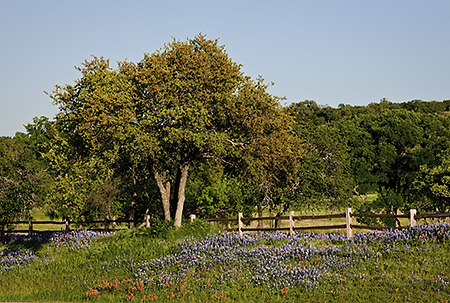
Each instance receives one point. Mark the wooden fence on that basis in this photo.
(66, 224)
(111, 224)
(348, 215)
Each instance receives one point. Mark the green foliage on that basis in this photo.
(395, 149)
(97, 172)
(182, 105)
(210, 192)
(388, 150)
(324, 177)
(269, 151)
(158, 229)
(85, 192)
(40, 133)
(433, 184)
(195, 230)
(23, 175)
(184, 92)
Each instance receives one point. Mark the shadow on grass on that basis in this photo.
(31, 242)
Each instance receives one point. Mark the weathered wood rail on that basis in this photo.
(66, 224)
(110, 224)
(348, 215)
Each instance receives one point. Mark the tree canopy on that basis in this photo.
(186, 103)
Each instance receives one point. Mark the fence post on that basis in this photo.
(66, 225)
(30, 225)
(291, 223)
(193, 217)
(240, 225)
(106, 223)
(348, 217)
(412, 219)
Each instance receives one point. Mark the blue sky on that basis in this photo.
(351, 52)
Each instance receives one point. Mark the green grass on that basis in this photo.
(65, 278)
(74, 276)
(38, 214)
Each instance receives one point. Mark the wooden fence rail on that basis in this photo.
(348, 215)
(67, 224)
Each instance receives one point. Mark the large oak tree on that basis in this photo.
(187, 102)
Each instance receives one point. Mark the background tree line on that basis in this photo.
(400, 151)
(185, 131)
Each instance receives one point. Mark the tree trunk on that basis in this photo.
(174, 197)
(181, 195)
(165, 194)
(167, 209)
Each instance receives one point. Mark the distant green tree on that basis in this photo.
(388, 148)
(433, 185)
(23, 175)
(40, 133)
(309, 112)
(426, 107)
(270, 153)
(324, 177)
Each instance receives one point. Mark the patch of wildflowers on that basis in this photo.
(18, 258)
(277, 261)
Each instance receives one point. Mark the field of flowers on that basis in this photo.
(14, 256)
(386, 266)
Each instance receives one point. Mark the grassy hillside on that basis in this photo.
(198, 264)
